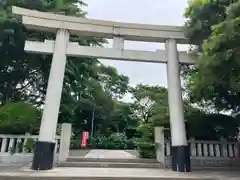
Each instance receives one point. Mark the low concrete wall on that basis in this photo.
(26, 158)
(7, 158)
(23, 158)
(203, 161)
(209, 162)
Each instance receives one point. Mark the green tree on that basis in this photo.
(201, 15)
(146, 98)
(88, 85)
(24, 76)
(122, 117)
(202, 126)
(19, 118)
(92, 97)
(113, 83)
(214, 27)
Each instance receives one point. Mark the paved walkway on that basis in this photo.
(119, 173)
(109, 154)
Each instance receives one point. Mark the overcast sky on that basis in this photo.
(161, 12)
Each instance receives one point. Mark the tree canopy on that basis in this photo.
(19, 117)
(88, 84)
(213, 26)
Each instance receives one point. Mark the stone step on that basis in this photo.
(133, 160)
(110, 165)
(3, 177)
(79, 173)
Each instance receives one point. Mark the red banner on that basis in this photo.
(85, 135)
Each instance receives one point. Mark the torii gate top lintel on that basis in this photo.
(99, 28)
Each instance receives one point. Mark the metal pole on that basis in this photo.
(93, 114)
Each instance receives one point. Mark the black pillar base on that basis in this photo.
(43, 156)
(181, 158)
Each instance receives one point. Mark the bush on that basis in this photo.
(19, 118)
(146, 148)
(132, 143)
(145, 144)
(76, 142)
(147, 152)
(114, 141)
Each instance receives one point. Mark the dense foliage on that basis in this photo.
(213, 26)
(112, 141)
(19, 118)
(88, 85)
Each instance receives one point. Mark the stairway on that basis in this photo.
(109, 163)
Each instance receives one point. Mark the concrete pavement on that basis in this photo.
(109, 154)
(116, 173)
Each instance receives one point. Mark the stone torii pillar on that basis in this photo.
(44, 150)
(179, 148)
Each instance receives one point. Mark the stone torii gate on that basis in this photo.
(63, 26)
